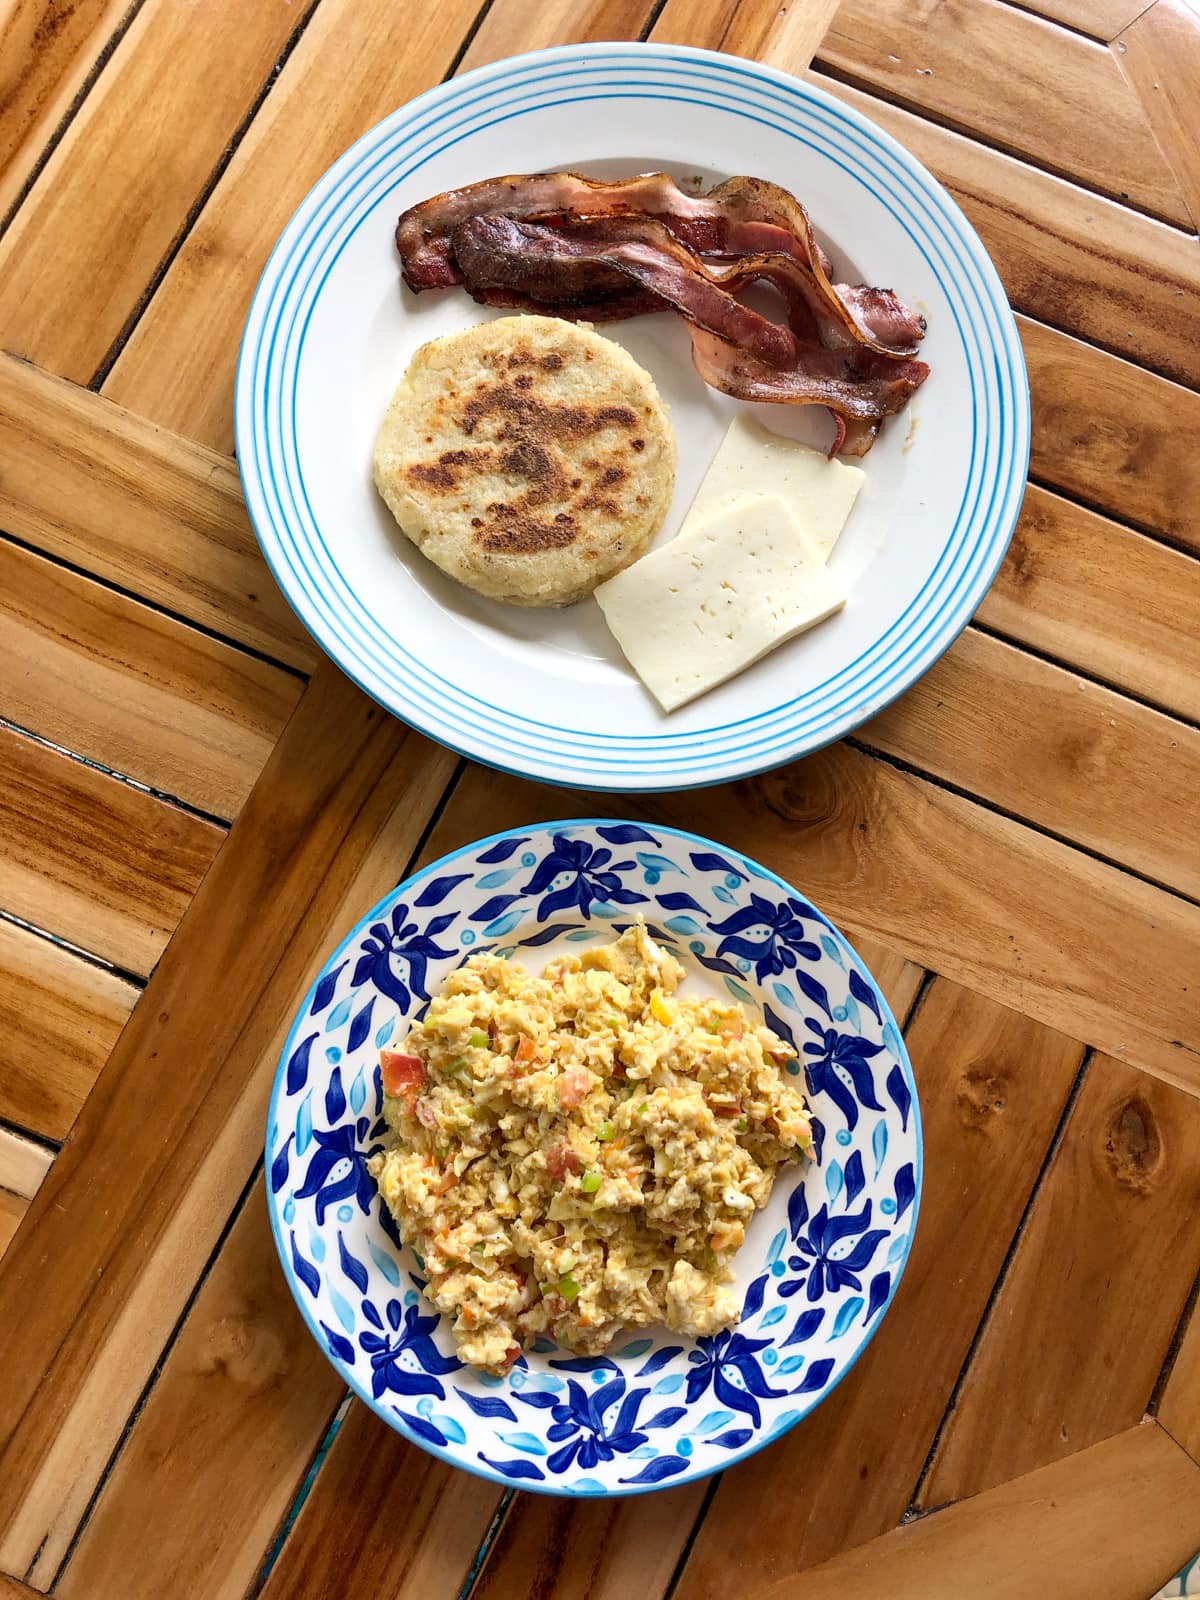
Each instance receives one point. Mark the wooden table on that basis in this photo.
(194, 805)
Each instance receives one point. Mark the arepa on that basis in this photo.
(529, 458)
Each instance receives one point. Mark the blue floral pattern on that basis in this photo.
(820, 1264)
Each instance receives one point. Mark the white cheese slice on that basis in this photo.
(725, 591)
(751, 460)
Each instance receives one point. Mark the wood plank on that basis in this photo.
(1067, 256)
(435, 1518)
(512, 26)
(132, 689)
(23, 1165)
(59, 1018)
(1102, 19)
(954, 64)
(1108, 432)
(1102, 598)
(91, 483)
(1159, 52)
(95, 861)
(899, 979)
(223, 1441)
(1179, 1408)
(11, 1589)
(969, 893)
(46, 53)
(118, 189)
(589, 1550)
(330, 824)
(1056, 750)
(786, 36)
(992, 1087)
(12, 1209)
(358, 60)
(1113, 1522)
(1101, 1274)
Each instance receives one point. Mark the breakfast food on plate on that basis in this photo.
(528, 457)
(578, 1154)
(583, 248)
(746, 572)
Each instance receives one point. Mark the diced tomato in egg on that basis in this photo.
(561, 1159)
(576, 1081)
(402, 1075)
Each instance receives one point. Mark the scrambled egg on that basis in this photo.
(580, 1153)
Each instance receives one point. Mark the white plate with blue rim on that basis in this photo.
(548, 693)
(820, 1264)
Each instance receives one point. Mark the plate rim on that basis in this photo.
(563, 1489)
(662, 769)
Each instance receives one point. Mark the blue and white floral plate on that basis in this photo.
(547, 692)
(819, 1267)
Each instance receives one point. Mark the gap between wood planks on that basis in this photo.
(214, 177)
(914, 1510)
(913, 769)
(908, 98)
(81, 94)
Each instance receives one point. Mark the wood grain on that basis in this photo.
(12, 1209)
(1056, 750)
(59, 1018)
(23, 1165)
(1108, 432)
(511, 26)
(579, 1550)
(787, 36)
(1102, 19)
(222, 1442)
(954, 62)
(97, 862)
(1179, 1407)
(1100, 1277)
(1102, 598)
(132, 689)
(92, 484)
(358, 60)
(899, 979)
(992, 1087)
(435, 1518)
(11, 1589)
(118, 189)
(1115, 1521)
(1067, 256)
(1159, 52)
(46, 53)
(329, 825)
(1020, 917)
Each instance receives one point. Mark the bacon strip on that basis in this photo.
(577, 273)
(581, 248)
(858, 388)
(742, 216)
